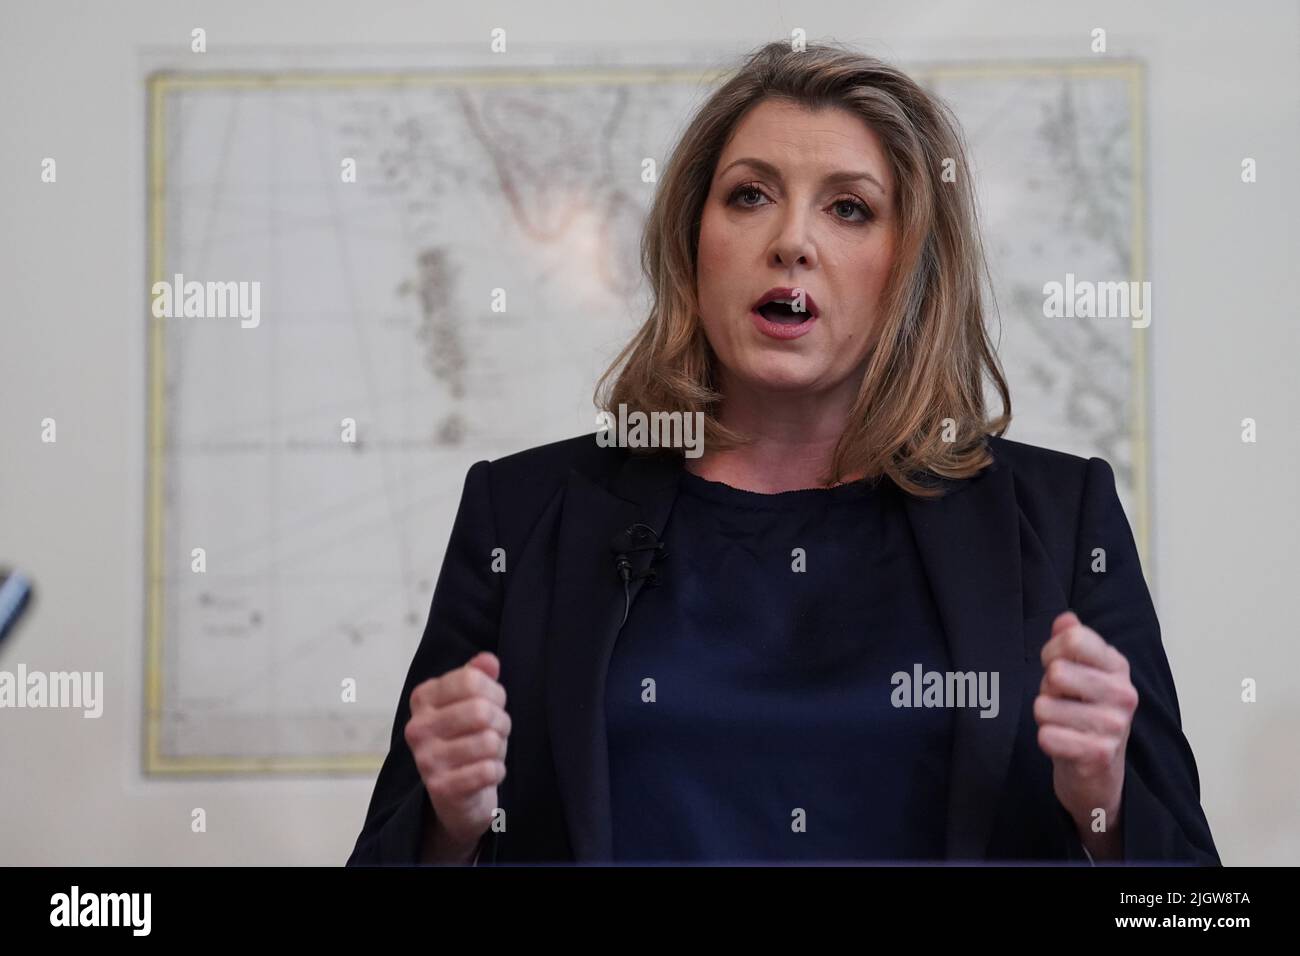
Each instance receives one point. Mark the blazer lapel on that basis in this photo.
(970, 546)
(585, 621)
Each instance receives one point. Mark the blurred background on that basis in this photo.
(379, 171)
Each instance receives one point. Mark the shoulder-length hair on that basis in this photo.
(920, 408)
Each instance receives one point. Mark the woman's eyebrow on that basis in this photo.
(835, 178)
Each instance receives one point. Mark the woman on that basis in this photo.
(875, 629)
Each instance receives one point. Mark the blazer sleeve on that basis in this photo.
(463, 619)
(1160, 808)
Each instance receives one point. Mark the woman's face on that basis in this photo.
(801, 200)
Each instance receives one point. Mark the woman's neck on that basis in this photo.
(793, 439)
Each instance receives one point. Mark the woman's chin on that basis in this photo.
(785, 374)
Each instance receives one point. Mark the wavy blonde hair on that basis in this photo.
(932, 350)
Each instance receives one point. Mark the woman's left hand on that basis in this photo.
(1084, 710)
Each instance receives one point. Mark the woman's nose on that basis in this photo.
(792, 244)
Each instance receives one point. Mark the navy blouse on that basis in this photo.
(749, 698)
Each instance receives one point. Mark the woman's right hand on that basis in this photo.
(457, 734)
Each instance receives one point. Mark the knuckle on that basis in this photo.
(1114, 725)
(433, 754)
(475, 680)
(437, 785)
(437, 748)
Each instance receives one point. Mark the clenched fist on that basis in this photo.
(1085, 709)
(457, 734)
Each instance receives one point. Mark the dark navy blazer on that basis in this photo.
(1005, 552)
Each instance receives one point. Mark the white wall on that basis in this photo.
(1224, 82)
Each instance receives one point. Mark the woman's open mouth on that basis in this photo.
(781, 324)
(784, 313)
(780, 317)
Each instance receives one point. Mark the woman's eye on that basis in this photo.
(745, 191)
(852, 206)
